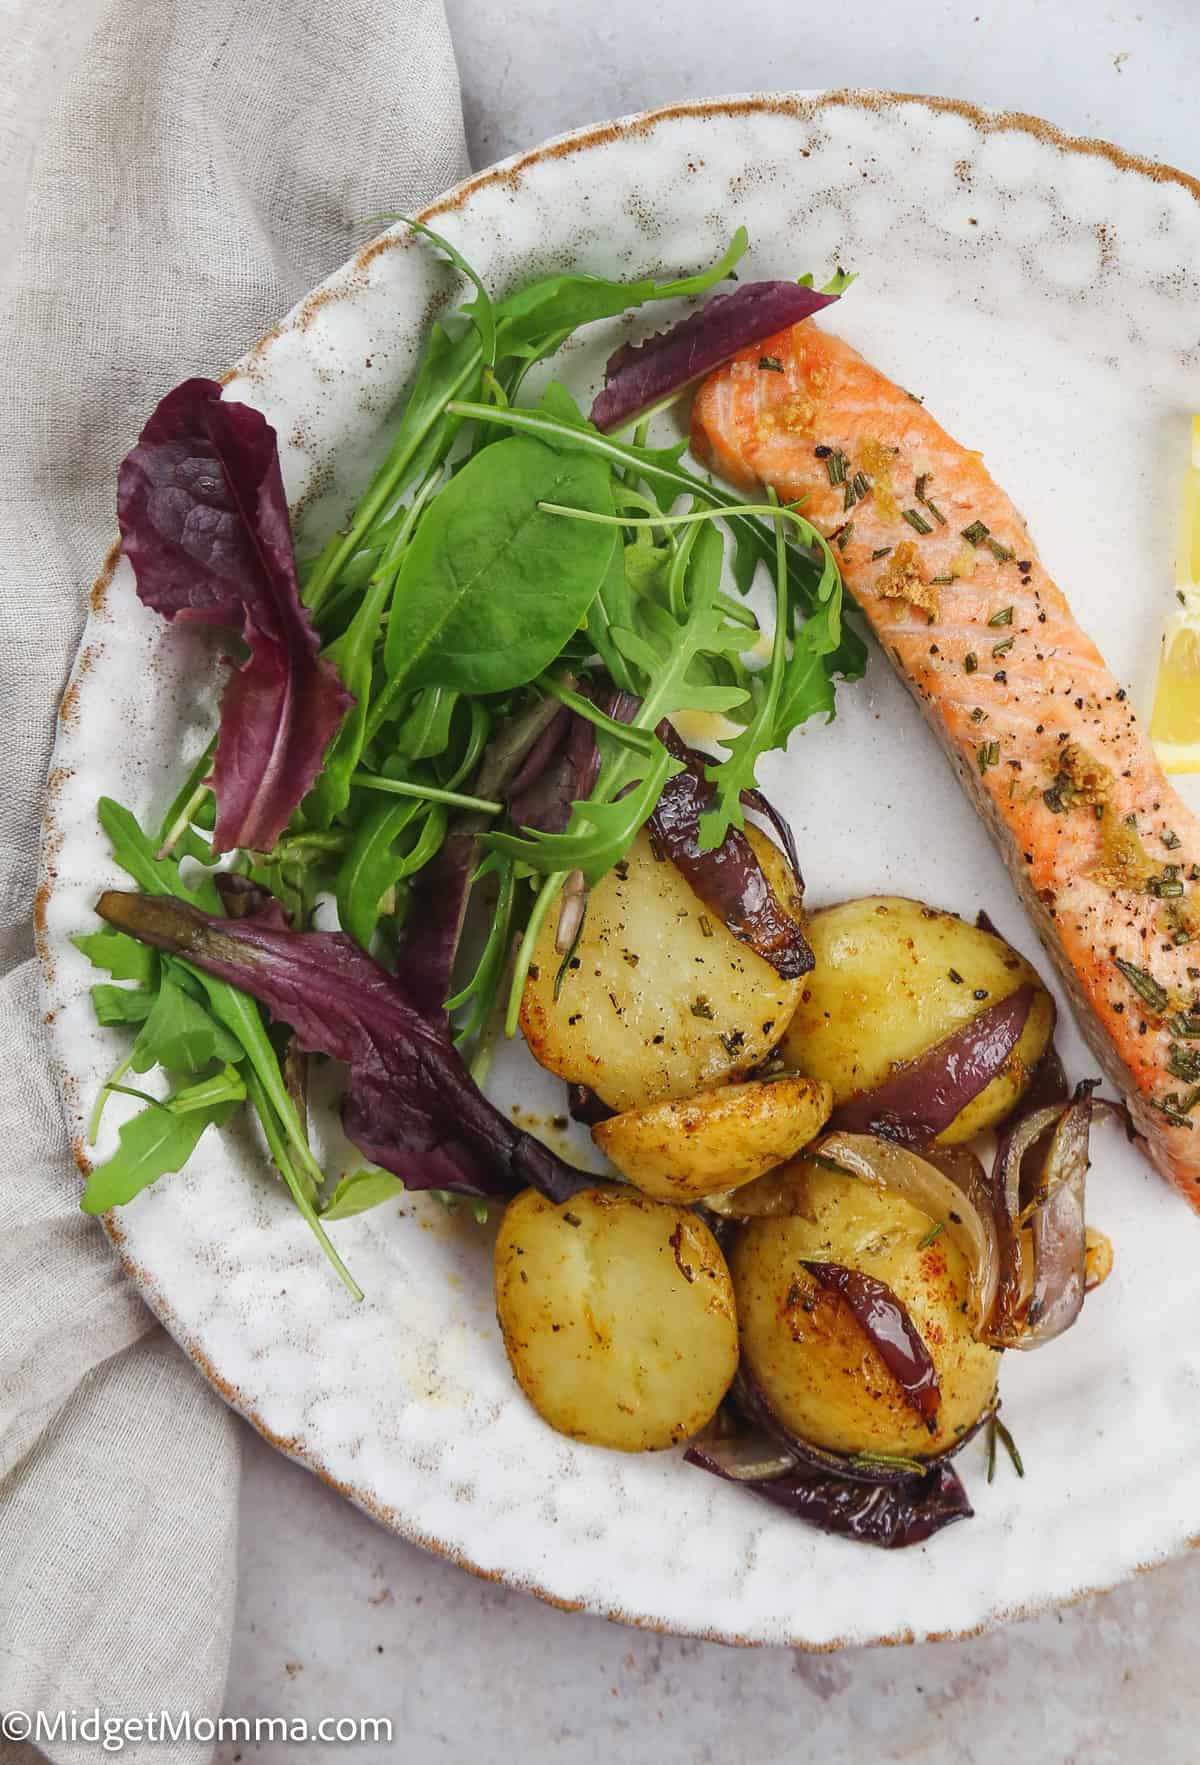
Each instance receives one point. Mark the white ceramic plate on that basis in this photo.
(1042, 295)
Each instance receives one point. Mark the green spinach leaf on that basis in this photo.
(491, 588)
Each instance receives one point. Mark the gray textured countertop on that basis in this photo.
(336, 1617)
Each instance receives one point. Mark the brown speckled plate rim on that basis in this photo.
(508, 173)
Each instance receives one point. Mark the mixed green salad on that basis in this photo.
(444, 727)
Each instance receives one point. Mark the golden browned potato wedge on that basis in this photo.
(617, 1314)
(819, 1372)
(659, 1000)
(683, 1151)
(893, 977)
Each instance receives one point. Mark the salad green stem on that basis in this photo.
(102, 1096)
(400, 787)
(543, 901)
(281, 1153)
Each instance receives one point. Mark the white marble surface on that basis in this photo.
(336, 1617)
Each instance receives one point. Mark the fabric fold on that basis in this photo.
(173, 177)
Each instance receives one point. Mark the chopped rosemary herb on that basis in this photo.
(1176, 1108)
(843, 535)
(1171, 839)
(770, 364)
(835, 465)
(700, 1007)
(851, 495)
(881, 552)
(954, 975)
(1144, 985)
(733, 1041)
(996, 1429)
(1184, 1024)
(1184, 1063)
(978, 715)
(566, 963)
(1001, 552)
(988, 754)
(931, 1234)
(890, 1460)
(975, 534)
(861, 484)
(706, 929)
(829, 1164)
(919, 487)
(970, 662)
(941, 581)
(935, 511)
(1164, 887)
(917, 521)
(1002, 648)
(1003, 617)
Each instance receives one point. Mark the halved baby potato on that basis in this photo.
(819, 1372)
(617, 1314)
(682, 1151)
(893, 977)
(660, 999)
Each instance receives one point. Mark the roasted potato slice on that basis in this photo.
(893, 977)
(617, 1314)
(818, 1371)
(660, 999)
(682, 1151)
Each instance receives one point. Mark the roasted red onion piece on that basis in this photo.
(873, 1501)
(640, 375)
(1038, 1182)
(583, 1105)
(729, 879)
(889, 1515)
(884, 1321)
(917, 1101)
(954, 1192)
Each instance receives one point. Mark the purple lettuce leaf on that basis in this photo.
(204, 522)
(640, 375)
(409, 1103)
(441, 889)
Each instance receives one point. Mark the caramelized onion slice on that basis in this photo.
(884, 1320)
(917, 1101)
(955, 1197)
(1038, 1184)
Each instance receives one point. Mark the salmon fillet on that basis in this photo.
(1044, 739)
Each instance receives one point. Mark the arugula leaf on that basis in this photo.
(490, 588)
(372, 866)
(123, 957)
(159, 1139)
(425, 731)
(353, 655)
(121, 1005)
(136, 855)
(785, 697)
(180, 1035)
(360, 1190)
(239, 1014)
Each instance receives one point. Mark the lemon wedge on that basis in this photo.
(1175, 719)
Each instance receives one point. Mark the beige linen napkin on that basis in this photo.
(173, 175)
